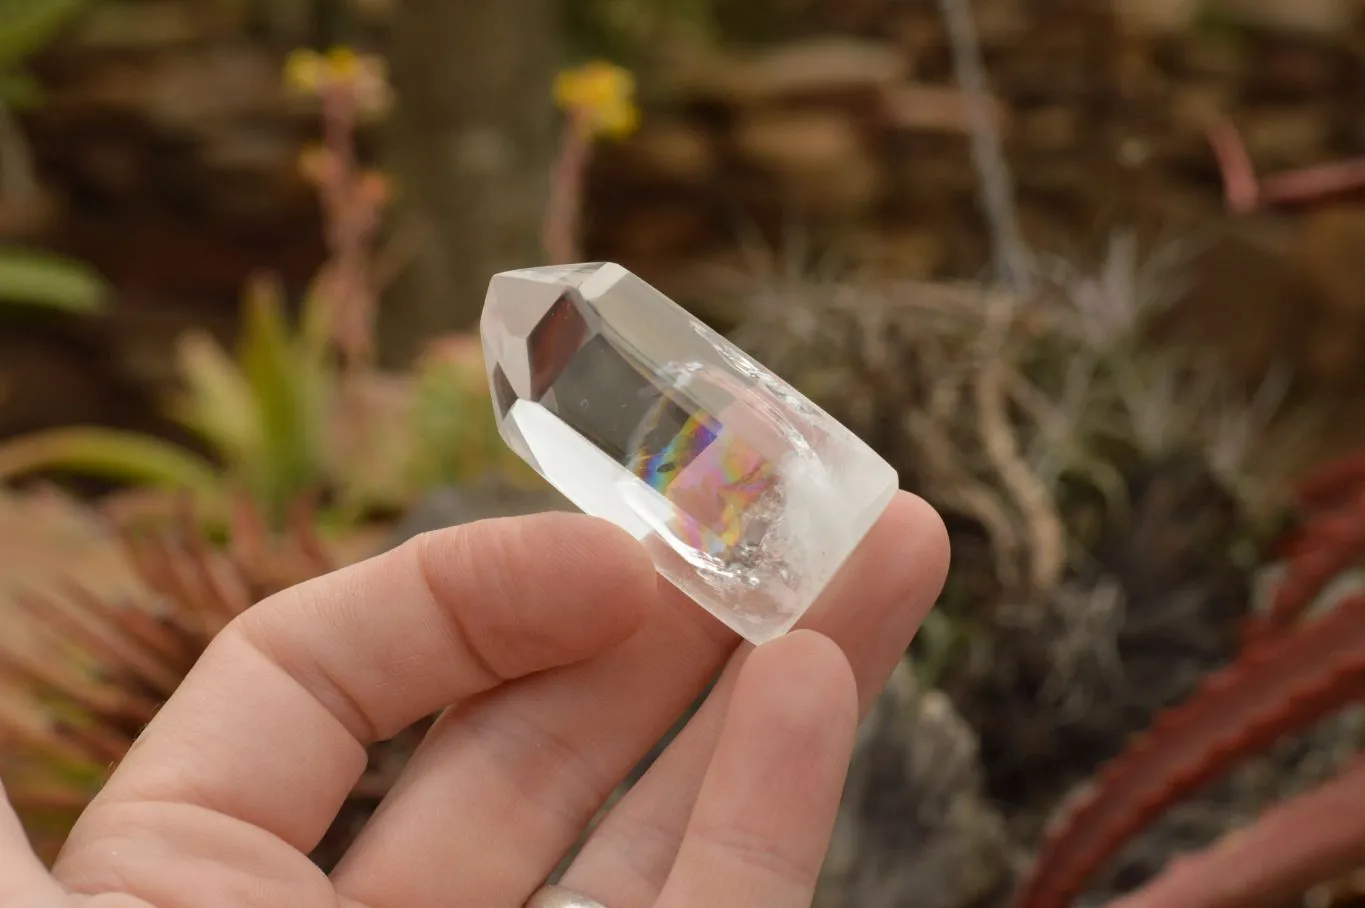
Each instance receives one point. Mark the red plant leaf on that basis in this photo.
(1277, 687)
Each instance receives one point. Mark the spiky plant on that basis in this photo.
(1301, 660)
(101, 625)
(1108, 498)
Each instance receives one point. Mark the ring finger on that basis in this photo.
(872, 613)
(761, 825)
(534, 761)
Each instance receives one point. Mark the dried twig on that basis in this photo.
(1246, 193)
(1030, 495)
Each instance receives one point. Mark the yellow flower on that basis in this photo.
(344, 63)
(364, 75)
(305, 71)
(601, 96)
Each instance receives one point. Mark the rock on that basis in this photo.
(999, 23)
(54, 374)
(1223, 60)
(915, 827)
(673, 152)
(1157, 16)
(664, 228)
(193, 91)
(1323, 18)
(1289, 136)
(251, 173)
(1051, 128)
(808, 70)
(817, 155)
(142, 25)
(935, 109)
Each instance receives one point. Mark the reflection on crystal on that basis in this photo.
(747, 495)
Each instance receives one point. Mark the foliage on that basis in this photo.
(101, 626)
(1028, 422)
(297, 410)
(284, 421)
(262, 414)
(1298, 664)
(111, 454)
(453, 437)
(1014, 411)
(30, 277)
(26, 27)
(305, 436)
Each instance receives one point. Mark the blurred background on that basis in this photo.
(1089, 273)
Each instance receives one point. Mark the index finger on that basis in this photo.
(270, 726)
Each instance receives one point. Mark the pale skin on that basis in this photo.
(557, 658)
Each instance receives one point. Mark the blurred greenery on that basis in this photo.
(32, 277)
(264, 414)
(285, 422)
(26, 27)
(110, 454)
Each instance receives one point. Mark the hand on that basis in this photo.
(559, 659)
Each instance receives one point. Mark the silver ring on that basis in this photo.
(559, 897)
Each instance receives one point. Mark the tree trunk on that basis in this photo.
(473, 141)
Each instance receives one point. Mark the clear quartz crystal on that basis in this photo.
(747, 496)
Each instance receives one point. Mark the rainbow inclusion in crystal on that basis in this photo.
(747, 496)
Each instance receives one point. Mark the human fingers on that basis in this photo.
(268, 732)
(872, 611)
(526, 767)
(540, 756)
(763, 817)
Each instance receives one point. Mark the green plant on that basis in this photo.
(259, 414)
(265, 412)
(453, 436)
(284, 420)
(26, 27)
(298, 411)
(31, 277)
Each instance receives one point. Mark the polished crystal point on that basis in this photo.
(747, 496)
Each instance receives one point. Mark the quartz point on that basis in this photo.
(747, 496)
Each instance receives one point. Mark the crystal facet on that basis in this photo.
(747, 496)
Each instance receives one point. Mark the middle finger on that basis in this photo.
(872, 613)
(503, 787)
